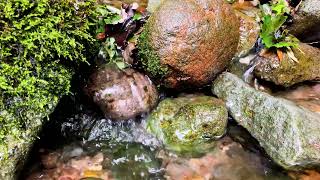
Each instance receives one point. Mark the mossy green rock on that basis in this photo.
(186, 43)
(188, 124)
(288, 72)
(289, 134)
(14, 152)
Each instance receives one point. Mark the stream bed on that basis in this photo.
(79, 143)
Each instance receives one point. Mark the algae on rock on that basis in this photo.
(149, 58)
(288, 72)
(188, 124)
(15, 151)
(41, 45)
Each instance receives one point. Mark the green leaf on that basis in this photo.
(137, 16)
(272, 21)
(267, 40)
(121, 64)
(277, 22)
(280, 7)
(114, 19)
(102, 11)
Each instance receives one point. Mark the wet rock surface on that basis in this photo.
(249, 27)
(188, 124)
(307, 19)
(121, 94)
(189, 42)
(131, 153)
(288, 72)
(18, 151)
(287, 132)
(85, 124)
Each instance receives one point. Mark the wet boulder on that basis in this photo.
(287, 72)
(187, 43)
(121, 94)
(188, 124)
(288, 133)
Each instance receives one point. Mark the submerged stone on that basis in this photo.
(289, 134)
(287, 72)
(187, 43)
(121, 94)
(228, 161)
(97, 160)
(188, 124)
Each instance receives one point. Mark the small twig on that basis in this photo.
(291, 55)
(316, 42)
(297, 7)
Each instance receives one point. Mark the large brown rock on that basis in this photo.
(189, 42)
(121, 94)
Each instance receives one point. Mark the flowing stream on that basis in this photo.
(78, 134)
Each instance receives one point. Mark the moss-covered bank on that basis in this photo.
(41, 44)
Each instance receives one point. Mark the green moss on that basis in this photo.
(41, 45)
(149, 58)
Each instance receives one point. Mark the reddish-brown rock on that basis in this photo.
(189, 42)
(121, 94)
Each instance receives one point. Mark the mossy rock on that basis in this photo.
(14, 152)
(288, 133)
(189, 124)
(186, 43)
(42, 44)
(287, 72)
